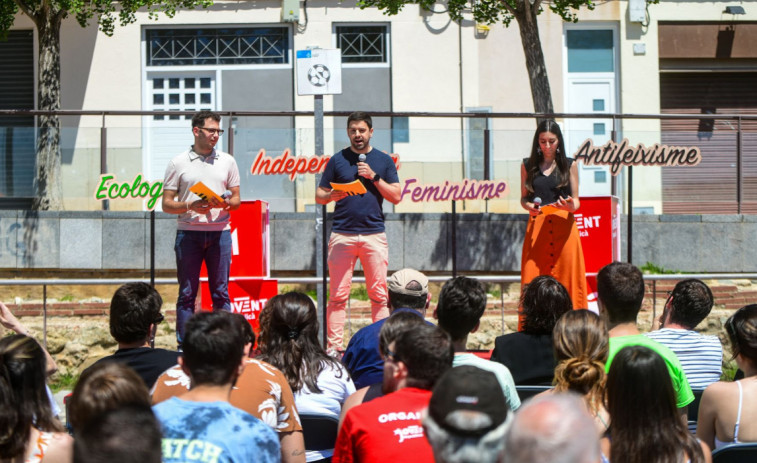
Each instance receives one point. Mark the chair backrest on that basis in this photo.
(319, 431)
(735, 453)
(526, 392)
(693, 410)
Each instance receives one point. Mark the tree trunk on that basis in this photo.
(535, 64)
(47, 182)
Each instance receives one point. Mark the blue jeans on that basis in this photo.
(192, 248)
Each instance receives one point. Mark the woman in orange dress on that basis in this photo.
(552, 245)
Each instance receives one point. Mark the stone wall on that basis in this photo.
(485, 243)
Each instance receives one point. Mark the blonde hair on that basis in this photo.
(581, 347)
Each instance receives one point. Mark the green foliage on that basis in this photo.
(359, 292)
(67, 298)
(652, 269)
(63, 381)
(729, 371)
(107, 13)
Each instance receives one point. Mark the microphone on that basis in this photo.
(537, 203)
(361, 158)
(226, 194)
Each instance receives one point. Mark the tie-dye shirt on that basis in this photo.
(214, 432)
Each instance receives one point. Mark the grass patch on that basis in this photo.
(653, 269)
(729, 371)
(63, 381)
(67, 298)
(359, 292)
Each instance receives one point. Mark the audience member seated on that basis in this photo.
(461, 305)
(701, 355)
(127, 434)
(408, 292)
(646, 426)
(728, 410)
(552, 428)
(9, 321)
(134, 318)
(389, 428)
(213, 351)
(620, 292)
(28, 430)
(105, 386)
(467, 417)
(261, 390)
(581, 347)
(398, 322)
(289, 341)
(528, 354)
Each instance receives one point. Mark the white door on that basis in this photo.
(587, 96)
(167, 136)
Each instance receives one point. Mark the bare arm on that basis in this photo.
(292, 447)
(353, 400)
(324, 196)
(524, 193)
(9, 321)
(171, 206)
(392, 192)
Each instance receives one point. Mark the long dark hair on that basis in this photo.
(289, 340)
(646, 426)
(23, 397)
(532, 165)
(741, 328)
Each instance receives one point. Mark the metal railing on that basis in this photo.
(497, 279)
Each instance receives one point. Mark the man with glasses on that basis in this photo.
(203, 232)
(134, 319)
(701, 355)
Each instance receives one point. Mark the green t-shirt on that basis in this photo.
(684, 396)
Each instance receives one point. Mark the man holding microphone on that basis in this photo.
(358, 228)
(203, 231)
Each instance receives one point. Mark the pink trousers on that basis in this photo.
(344, 251)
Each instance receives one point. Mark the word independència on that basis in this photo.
(624, 154)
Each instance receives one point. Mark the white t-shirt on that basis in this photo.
(701, 355)
(218, 171)
(336, 385)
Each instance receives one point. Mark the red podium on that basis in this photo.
(598, 222)
(249, 284)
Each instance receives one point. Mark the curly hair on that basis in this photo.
(289, 340)
(581, 346)
(544, 301)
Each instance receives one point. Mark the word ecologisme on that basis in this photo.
(136, 189)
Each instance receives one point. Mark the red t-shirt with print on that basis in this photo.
(385, 429)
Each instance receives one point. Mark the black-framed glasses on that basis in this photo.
(218, 132)
(389, 355)
(159, 318)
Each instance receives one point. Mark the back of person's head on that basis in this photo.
(544, 301)
(289, 340)
(398, 322)
(552, 428)
(102, 387)
(742, 332)
(407, 288)
(247, 334)
(642, 405)
(127, 434)
(691, 302)
(620, 288)
(467, 417)
(427, 352)
(23, 397)
(213, 348)
(134, 307)
(581, 347)
(462, 302)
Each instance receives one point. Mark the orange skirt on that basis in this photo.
(552, 246)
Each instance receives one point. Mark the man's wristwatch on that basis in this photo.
(376, 178)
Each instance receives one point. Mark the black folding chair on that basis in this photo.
(319, 432)
(735, 453)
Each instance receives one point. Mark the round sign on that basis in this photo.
(319, 75)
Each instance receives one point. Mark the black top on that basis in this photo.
(545, 187)
(149, 363)
(529, 357)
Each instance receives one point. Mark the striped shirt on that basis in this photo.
(701, 355)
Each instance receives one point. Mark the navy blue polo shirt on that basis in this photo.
(359, 214)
